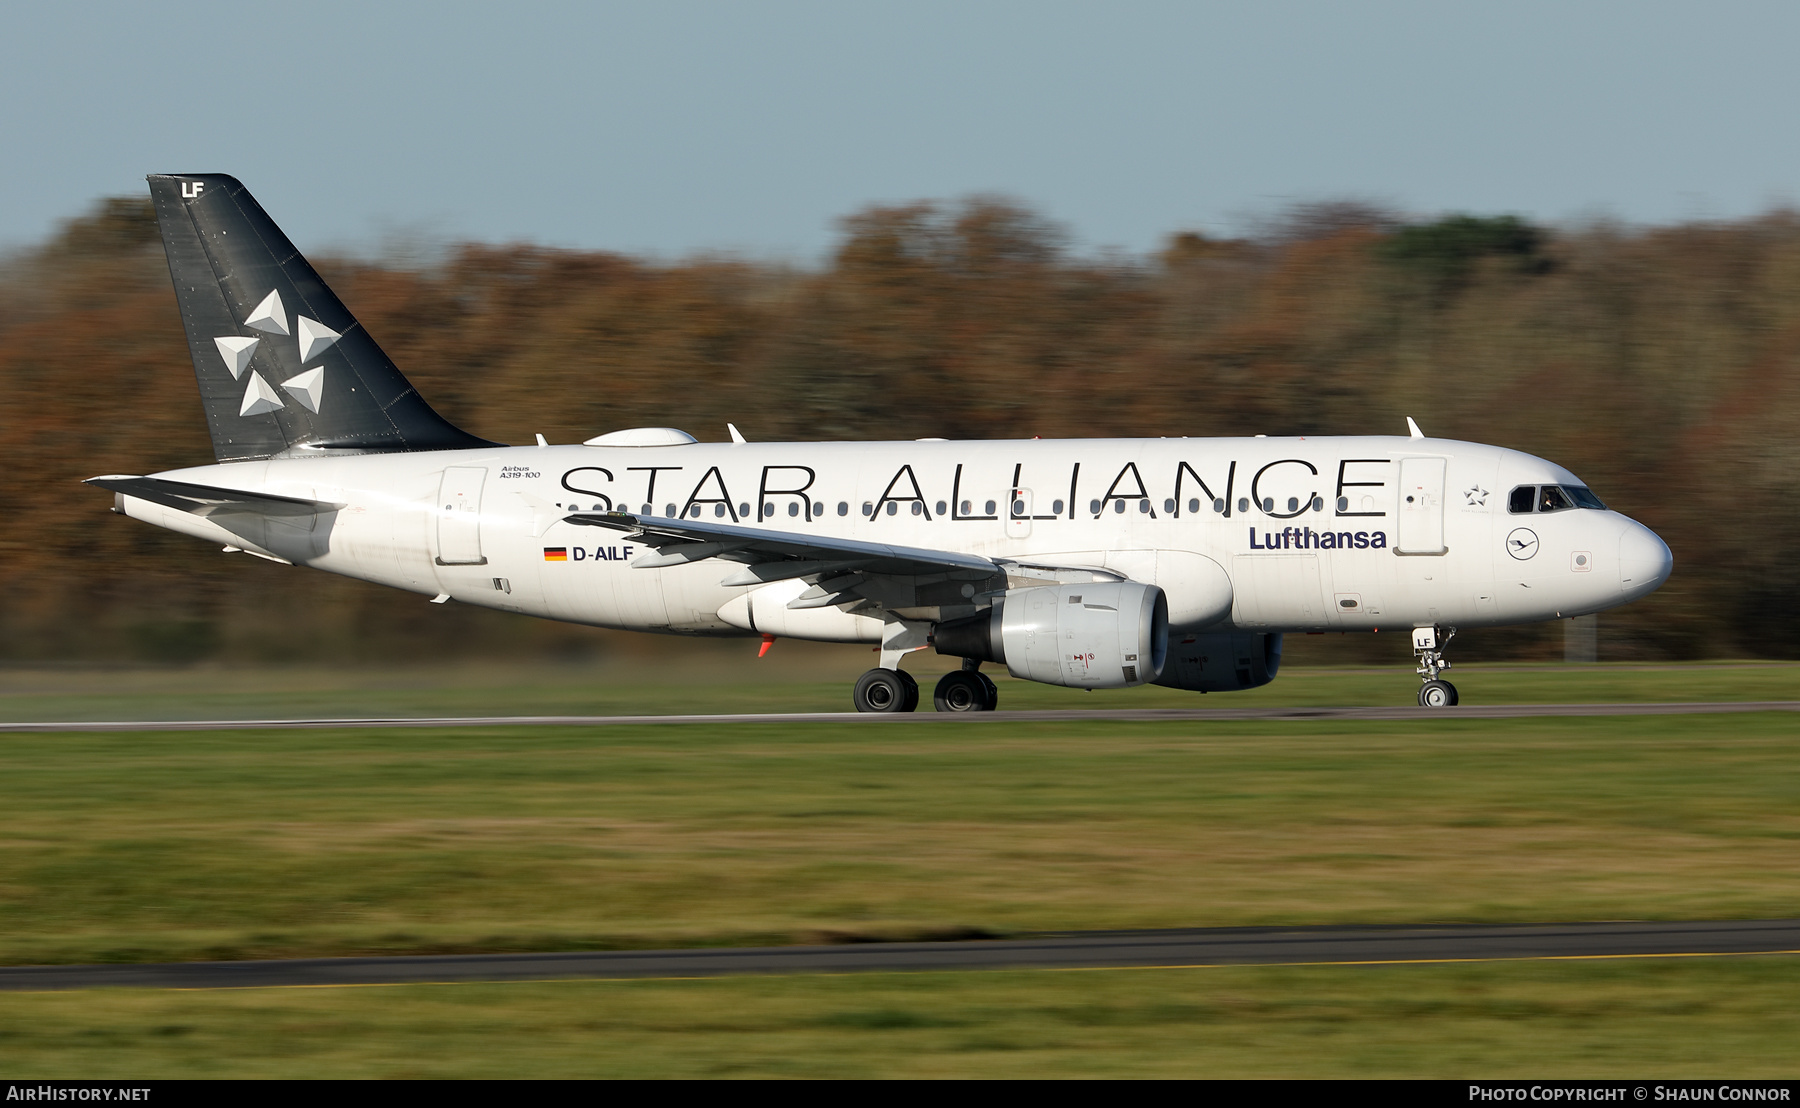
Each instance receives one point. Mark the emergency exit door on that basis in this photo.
(1421, 506)
(459, 517)
(1018, 514)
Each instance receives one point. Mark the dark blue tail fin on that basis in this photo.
(284, 368)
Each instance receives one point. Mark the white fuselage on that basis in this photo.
(1314, 534)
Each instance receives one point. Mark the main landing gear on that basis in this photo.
(1429, 649)
(886, 690)
(966, 690)
(894, 690)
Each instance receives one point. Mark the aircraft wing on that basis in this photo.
(781, 555)
(207, 500)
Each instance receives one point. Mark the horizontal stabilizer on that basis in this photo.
(758, 545)
(207, 500)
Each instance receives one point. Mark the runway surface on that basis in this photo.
(1418, 715)
(1074, 950)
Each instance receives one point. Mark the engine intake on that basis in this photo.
(1099, 635)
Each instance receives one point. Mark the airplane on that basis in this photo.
(1087, 563)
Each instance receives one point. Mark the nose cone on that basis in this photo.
(1644, 561)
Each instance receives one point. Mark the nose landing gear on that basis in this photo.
(1429, 649)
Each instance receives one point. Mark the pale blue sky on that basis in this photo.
(670, 127)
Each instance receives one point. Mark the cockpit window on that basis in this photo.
(1584, 497)
(1520, 500)
(1551, 498)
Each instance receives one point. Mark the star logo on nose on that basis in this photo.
(1476, 496)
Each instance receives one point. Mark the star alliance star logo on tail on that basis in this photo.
(306, 387)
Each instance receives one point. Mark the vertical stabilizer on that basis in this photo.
(284, 368)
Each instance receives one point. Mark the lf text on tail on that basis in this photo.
(1090, 563)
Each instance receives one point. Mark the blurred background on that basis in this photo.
(1563, 232)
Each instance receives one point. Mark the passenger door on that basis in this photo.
(1421, 522)
(459, 517)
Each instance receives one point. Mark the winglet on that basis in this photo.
(1413, 428)
(736, 435)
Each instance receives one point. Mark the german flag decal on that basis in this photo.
(556, 553)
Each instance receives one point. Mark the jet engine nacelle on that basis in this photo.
(1224, 662)
(1100, 635)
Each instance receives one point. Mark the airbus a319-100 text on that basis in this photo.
(1089, 563)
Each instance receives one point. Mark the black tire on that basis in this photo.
(1437, 694)
(962, 691)
(885, 690)
(993, 694)
(912, 691)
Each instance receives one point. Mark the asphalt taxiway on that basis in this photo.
(1199, 715)
(1064, 951)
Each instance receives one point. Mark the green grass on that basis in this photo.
(725, 678)
(164, 846)
(1636, 1020)
(159, 846)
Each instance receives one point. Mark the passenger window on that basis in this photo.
(1219, 504)
(1521, 499)
(1056, 507)
(843, 508)
(1553, 499)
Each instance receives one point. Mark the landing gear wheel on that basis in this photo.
(962, 691)
(1437, 694)
(886, 690)
(912, 691)
(993, 694)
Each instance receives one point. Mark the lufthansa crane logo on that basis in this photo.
(1522, 543)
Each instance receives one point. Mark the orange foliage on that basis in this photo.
(1660, 364)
